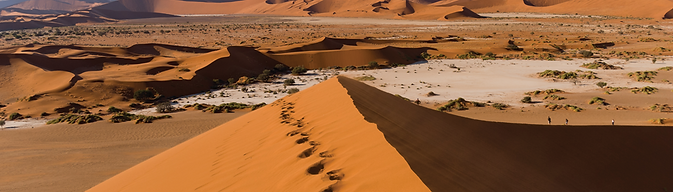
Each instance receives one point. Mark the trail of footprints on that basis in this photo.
(304, 138)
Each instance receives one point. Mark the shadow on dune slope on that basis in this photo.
(451, 153)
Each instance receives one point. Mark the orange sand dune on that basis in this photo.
(652, 9)
(328, 52)
(340, 8)
(290, 145)
(54, 76)
(343, 135)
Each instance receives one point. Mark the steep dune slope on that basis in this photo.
(451, 153)
(343, 135)
(299, 143)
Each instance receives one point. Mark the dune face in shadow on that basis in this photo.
(543, 3)
(669, 14)
(451, 153)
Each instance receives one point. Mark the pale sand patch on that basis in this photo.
(503, 81)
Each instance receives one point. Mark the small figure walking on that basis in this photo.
(418, 102)
(613, 122)
(548, 120)
(566, 121)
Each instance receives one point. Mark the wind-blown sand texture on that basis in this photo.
(365, 139)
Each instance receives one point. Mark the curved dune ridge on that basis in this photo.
(46, 77)
(343, 135)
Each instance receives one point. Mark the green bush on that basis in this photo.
(647, 90)
(76, 119)
(15, 116)
(554, 97)
(263, 77)
(645, 76)
(299, 70)
(124, 117)
(658, 121)
(2, 123)
(667, 68)
(601, 84)
(597, 100)
(500, 106)
(292, 91)
(373, 65)
(280, 68)
(143, 95)
(527, 100)
(113, 109)
(288, 82)
(599, 65)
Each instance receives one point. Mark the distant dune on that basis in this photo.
(43, 78)
(366, 140)
(60, 5)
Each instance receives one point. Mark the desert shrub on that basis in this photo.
(457, 104)
(280, 68)
(513, 47)
(469, 55)
(143, 95)
(184, 70)
(661, 108)
(15, 116)
(597, 100)
(366, 78)
(124, 117)
(430, 94)
(397, 65)
(554, 97)
(647, 90)
(658, 121)
(500, 106)
(299, 70)
(551, 73)
(568, 75)
(165, 107)
(255, 107)
(645, 76)
(292, 91)
(113, 109)
(599, 65)
(548, 91)
(401, 97)
(554, 107)
(667, 68)
(601, 84)
(373, 65)
(231, 81)
(288, 82)
(527, 100)
(2, 123)
(586, 54)
(76, 119)
(263, 77)
(44, 114)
